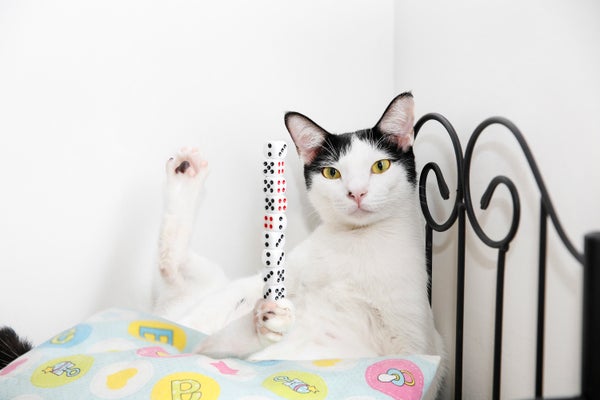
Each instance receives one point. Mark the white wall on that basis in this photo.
(96, 95)
(536, 63)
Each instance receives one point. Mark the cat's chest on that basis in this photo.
(351, 259)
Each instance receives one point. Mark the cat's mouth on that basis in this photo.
(358, 210)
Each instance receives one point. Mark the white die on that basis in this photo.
(275, 222)
(276, 149)
(274, 168)
(276, 204)
(274, 240)
(274, 276)
(273, 258)
(274, 186)
(274, 292)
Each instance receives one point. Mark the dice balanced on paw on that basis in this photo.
(275, 221)
(274, 314)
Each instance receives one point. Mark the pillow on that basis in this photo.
(121, 353)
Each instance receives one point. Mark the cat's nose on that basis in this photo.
(357, 196)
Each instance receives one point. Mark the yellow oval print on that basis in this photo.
(61, 371)
(121, 379)
(159, 332)
(296, 385)
(186, 386)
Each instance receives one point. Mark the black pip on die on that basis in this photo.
(274, 220)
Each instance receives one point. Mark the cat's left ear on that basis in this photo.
(397, 121)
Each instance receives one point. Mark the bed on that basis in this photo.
(464, 216)
(120, 353)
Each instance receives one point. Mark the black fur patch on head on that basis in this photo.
(11, 346)
(336, 146)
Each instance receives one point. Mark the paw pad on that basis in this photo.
(182, 167)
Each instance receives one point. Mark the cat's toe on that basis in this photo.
(273, 319)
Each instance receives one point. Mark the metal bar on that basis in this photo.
(539, 362)
(429, 258)
(460, 303)
(498, 324)
(590, 359)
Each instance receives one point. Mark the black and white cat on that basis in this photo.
(357, 286)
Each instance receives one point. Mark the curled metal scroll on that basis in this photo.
(502, 180)
(503, 244)
(441, 181)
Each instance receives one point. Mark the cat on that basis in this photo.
(357, 285)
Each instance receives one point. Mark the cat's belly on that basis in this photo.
(297, 346)
(323, 331)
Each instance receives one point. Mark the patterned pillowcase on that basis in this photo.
(121, 353)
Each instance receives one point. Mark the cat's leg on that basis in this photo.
(266, 325)
(184, 277)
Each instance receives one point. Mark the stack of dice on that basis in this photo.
(275, 220)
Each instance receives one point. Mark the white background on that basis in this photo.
(95, 96)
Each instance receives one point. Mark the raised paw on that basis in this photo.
(186, 162)
(273, 319)
(186, 173)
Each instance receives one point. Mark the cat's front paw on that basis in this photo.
(186, 162)
(273, 319)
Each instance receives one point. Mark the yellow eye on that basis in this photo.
(379, 167)
(331, 173)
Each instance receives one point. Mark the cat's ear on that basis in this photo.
(397, 121)
(307, 136)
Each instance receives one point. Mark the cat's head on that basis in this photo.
(361, 177)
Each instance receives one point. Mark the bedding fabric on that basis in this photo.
(123, 354)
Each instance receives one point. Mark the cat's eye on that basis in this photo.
(380, 166)
(331, 173)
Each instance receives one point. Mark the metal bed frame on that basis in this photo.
(463, 211)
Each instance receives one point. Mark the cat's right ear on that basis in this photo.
(307, 136)
(397, 121)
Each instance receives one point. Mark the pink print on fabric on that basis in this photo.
(158, 352)
(13, 366)
(399, 379)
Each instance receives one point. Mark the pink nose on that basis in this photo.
(357, 196)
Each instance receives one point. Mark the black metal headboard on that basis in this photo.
(463, 211)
